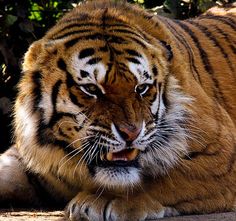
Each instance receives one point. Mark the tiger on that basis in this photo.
(122, 114)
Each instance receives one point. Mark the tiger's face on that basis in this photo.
(107, 101)
(117, 91)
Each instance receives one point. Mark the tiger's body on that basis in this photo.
(126, 116)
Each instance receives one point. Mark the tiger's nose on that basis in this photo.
(128, 133)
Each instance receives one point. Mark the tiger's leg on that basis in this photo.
(15, 186)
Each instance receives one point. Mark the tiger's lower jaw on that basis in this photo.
(117, 177)
(119, 169)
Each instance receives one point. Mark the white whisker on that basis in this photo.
(77, 151)
(79, 139)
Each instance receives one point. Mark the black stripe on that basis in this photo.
(104, 48)
(71, 43)
(87, 52)
(94, 61)
(43, 133)
(117, 52)
(77, 129)
(133, 60)
(74, 100)
(69, 33)
(168, 49)
(224, 19)
(96, 36)
(115, 39)
(123, 25)
(108, 71)
(61, 133)
(204, 59)
(193, 68)
(61, 64)
(122, 65)
(165, 99)
(37, 95)
(226, 38)
(84, 73)
(69, 82)
(154, 70)
(69, 79)
(81, 126)
(44, 136)
(63, 145)
(124, 75)
(138, 41)
(209, 35)
(153, 98)
(133, 53)
(128, 32)
(146, 75)
(72, 26)
(55, 91)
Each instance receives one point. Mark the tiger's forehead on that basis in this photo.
(89, 65)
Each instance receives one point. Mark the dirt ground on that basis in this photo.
(12, 215)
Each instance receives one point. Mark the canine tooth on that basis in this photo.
(133, 154)
(109, 156)
(102, 156)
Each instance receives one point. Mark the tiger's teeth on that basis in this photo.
(102, 156)
(109, 156)
(132, 155)
(122, 155)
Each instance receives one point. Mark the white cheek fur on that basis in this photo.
(27, 120)
(139, 69)
(167, 153)
(81, 64)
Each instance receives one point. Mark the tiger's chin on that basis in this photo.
(117, 177)
(118, 169)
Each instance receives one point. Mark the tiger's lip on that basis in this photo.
(126, 155)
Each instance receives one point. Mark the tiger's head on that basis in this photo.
(97, 97)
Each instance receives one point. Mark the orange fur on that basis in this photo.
(120, 47)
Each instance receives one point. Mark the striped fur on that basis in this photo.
(107, 68)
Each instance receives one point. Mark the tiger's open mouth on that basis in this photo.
(125, 157)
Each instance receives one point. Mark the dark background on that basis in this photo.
(24, 21)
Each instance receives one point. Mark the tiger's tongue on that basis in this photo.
(124, 155)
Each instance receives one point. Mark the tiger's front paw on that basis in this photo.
(86, 207)
(94, 208)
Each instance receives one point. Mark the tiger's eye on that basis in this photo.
(142, 89)
(91, 89)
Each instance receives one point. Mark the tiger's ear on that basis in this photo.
(31, 56)
(169, 53)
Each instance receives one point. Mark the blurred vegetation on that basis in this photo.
(24, 21)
